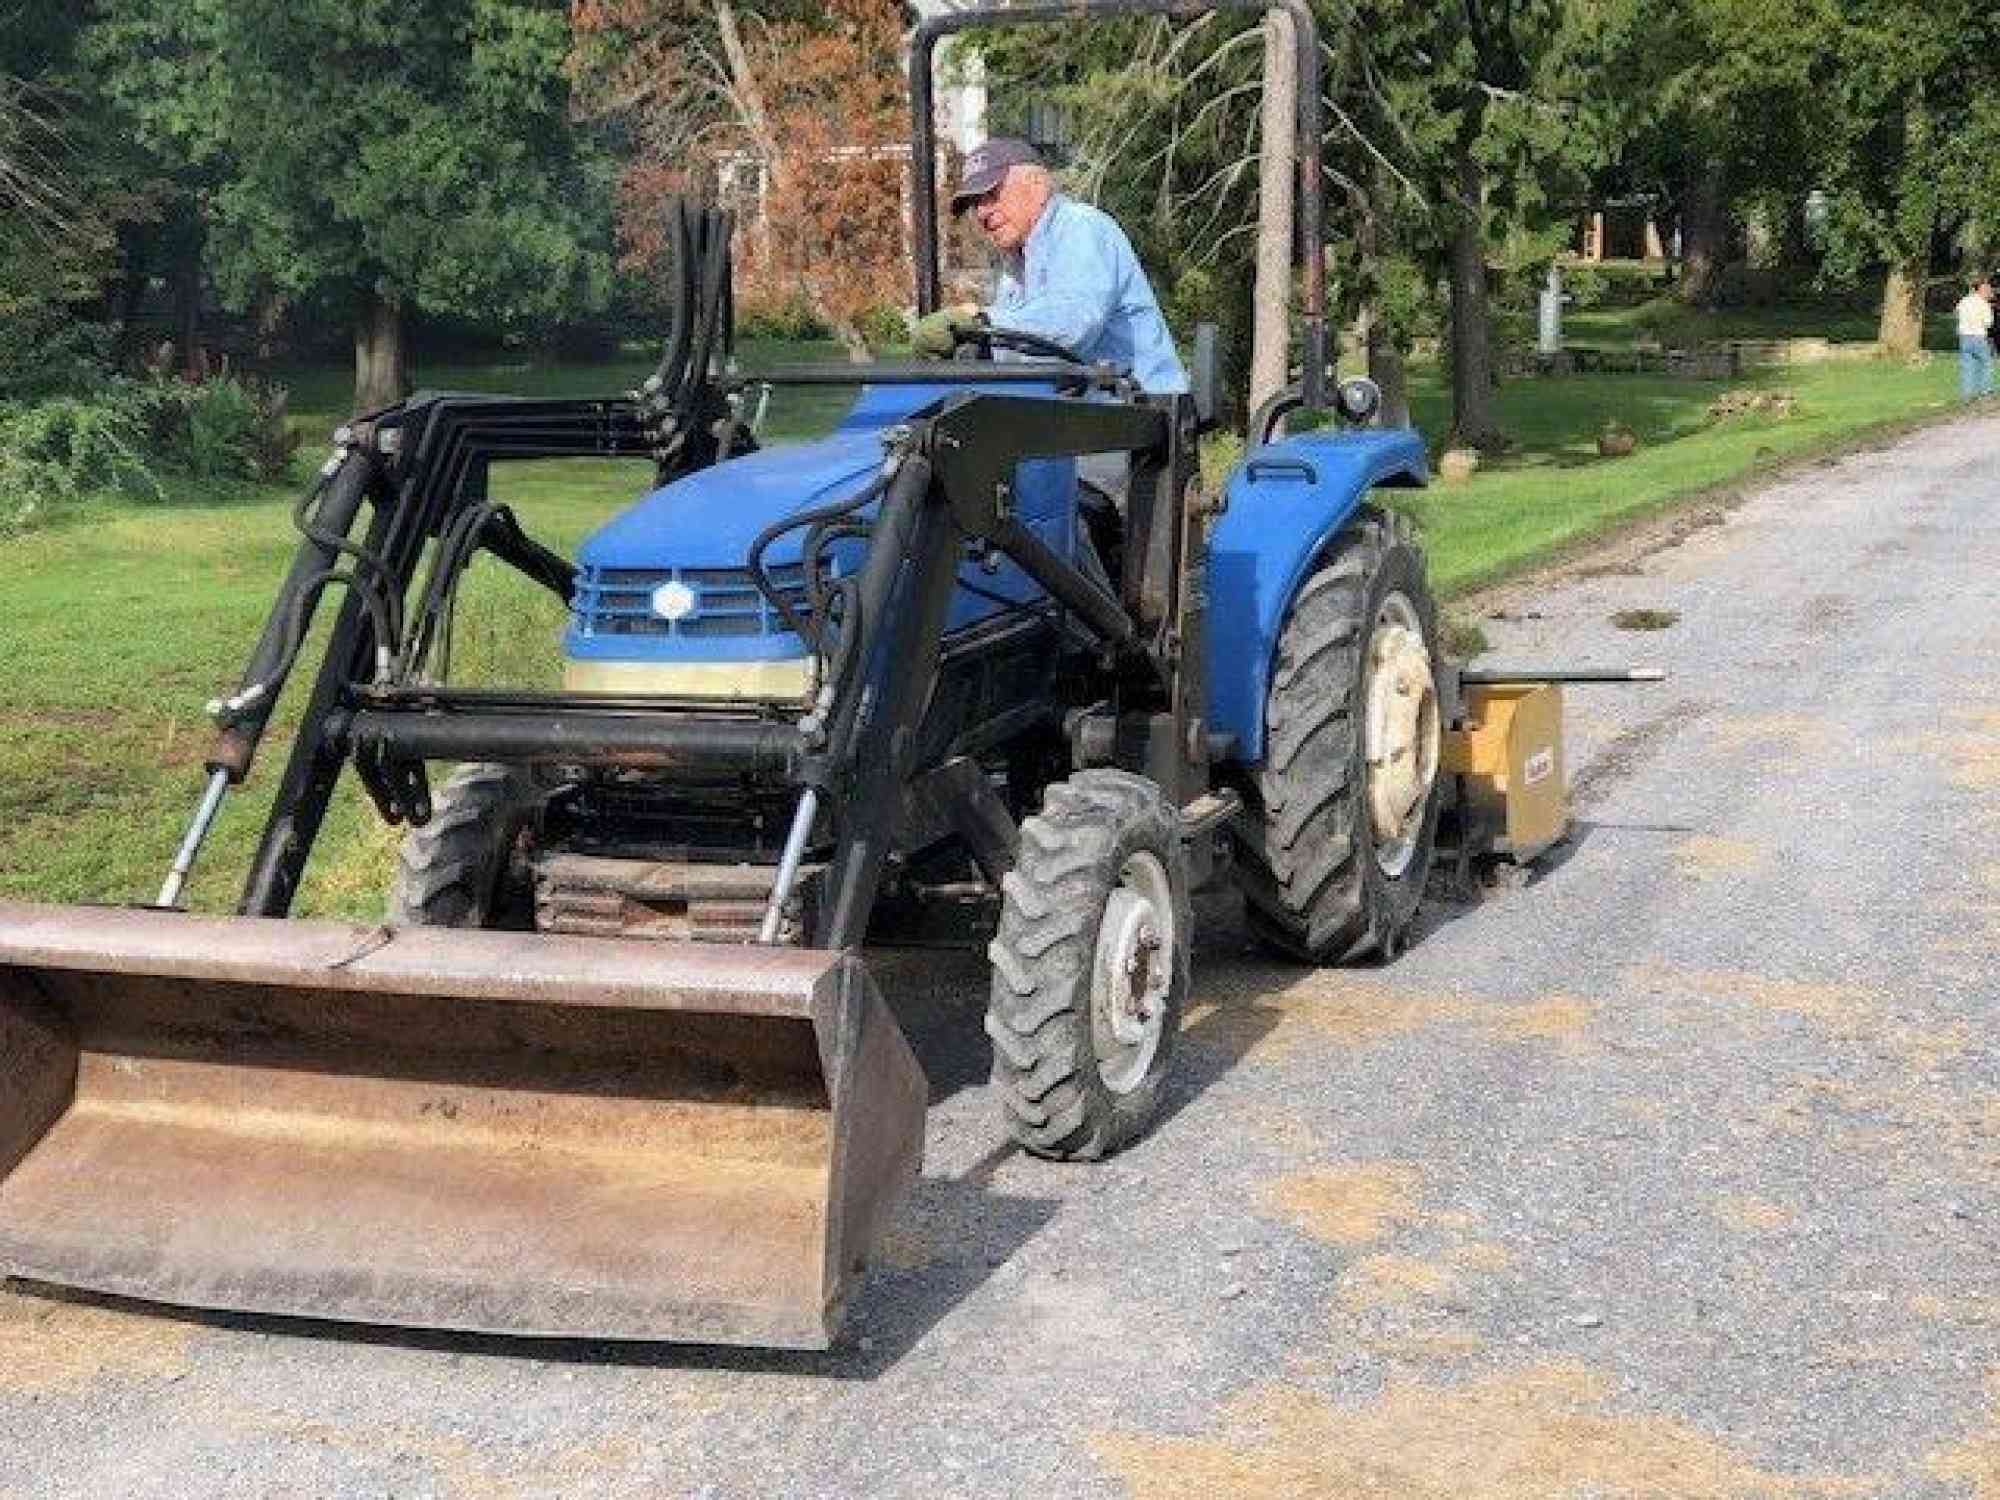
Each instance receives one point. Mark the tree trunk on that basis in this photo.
(1901, 330)
(1271, 326)
(849, 333)
(187, 318)
(1474, 421)
(379, 378)
(745, 94)
(1704, 234)
(1385, 355)
(1385, 368)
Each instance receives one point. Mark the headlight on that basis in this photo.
(1358, 398)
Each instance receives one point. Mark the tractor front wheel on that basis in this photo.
(1090, 966)
(459, 869)
(1335, 839)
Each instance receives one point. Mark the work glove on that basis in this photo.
(936, 335)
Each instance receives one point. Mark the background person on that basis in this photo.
(1975, 348)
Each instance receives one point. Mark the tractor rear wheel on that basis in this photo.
(1335, 839)
(1090, 966)
(459, 869)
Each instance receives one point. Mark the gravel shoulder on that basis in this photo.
(1675, 1172)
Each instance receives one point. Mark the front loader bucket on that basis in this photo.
(504, 1132)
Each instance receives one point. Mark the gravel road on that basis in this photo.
(1675, 1172)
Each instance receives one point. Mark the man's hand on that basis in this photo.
(935, 336)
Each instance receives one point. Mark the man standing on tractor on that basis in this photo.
(1067, 272)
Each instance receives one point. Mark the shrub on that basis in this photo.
(56, 452)
(791, 319)
(1741, 285)
(1585, 285)
(44, 353)
(883, 327)
(224, 427)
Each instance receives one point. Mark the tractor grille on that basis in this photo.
(619, 601)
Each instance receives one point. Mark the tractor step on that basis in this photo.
(666, 900)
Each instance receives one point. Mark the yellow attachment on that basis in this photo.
(1510, 753)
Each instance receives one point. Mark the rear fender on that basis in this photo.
(1285, 502)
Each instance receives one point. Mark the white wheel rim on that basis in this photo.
(1400, 734)
(1132, 973)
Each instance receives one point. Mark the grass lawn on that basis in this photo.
(1666, 322)
(121, 621)
(1553, 489)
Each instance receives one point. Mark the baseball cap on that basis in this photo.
(986, 164)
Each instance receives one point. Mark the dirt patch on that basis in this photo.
(1425, 1345)
(1974, 1312)
(1623, 568)
(1843, 1008)
(457, 1467)
(1481, 1255)
(1868, 1352)
(1349, 1206)
(1972, 752)
(1393, 1281)
(1642, 1107)
(1561, 1019)
(54, 1344)
(1344, 1013)
(1975, 1462)
(1268, 1027)
(1910, 1124)
(1536, 1434)
(1284, 1129)
(1750, 1214)
(1706, 857)
(1791, 735)
(1646, 619)
(1976, 755)
(1850, 1012)
(464, 1469)
(1827, 614)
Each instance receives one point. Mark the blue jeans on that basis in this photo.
(1975, 367)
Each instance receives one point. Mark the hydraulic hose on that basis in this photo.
(755, 560)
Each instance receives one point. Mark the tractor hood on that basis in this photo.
(709, 518)
(665, 602)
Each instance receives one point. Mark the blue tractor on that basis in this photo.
(613, 1065)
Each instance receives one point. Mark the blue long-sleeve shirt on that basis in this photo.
(1077, 281)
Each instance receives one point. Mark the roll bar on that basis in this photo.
(1306, 149)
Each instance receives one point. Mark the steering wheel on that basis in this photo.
(979, 343)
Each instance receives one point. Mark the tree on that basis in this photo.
(71, 189)
(806, 104)
(1717, 104)
(391, 154)
(1918, 140)
(1484, 111)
